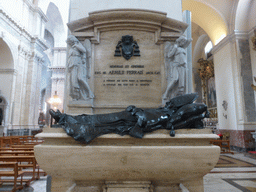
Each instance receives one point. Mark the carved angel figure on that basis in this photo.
(77, 68)
(176, 55)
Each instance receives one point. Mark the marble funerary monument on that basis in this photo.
(117, 57)
(116, 81)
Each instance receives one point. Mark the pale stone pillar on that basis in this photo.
(20, 88)
(32, 91)
(58, 73)
(235, 97)
(189, 82)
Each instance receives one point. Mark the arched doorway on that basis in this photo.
(7, 74)
(3, 111)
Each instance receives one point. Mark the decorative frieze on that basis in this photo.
(31, 55)
(38, 57)
(58, 69)
(25, 52)
(58, 79)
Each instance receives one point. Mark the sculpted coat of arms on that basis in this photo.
(128, 47)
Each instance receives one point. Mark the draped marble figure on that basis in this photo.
(176, 66)
(77, 68)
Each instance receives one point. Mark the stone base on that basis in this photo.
(127, 186)
(114, 163)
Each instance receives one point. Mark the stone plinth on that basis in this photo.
(118, 163)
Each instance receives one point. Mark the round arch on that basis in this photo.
(199, 49)
(8, 65)
(242, 15)
(3, 111)
(6, 55)
(207, 18)
(55, 25)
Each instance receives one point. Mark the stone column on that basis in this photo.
(189, 82)
(235, 99)
(58, 73)
(20, 87)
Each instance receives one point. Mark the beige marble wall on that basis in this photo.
(128, 82)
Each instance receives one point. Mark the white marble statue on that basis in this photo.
(176, 61)
(77, 69)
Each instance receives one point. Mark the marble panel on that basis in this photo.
(121, 82)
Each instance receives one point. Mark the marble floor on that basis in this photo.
(233, 173)
(239, 174)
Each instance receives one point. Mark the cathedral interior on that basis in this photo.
(221, 63)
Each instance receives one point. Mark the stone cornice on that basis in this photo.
(29, 4)
(20, 29)
(59, 48)
(41, 13)
(236, 35)
(36, 9)
(41, 42)
(57, 67)
(239, 35)
(58, 79)
(8, 71)
(221, 44)
(14, 24)
(165, 29)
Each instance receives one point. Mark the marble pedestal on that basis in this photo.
(114, 163)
